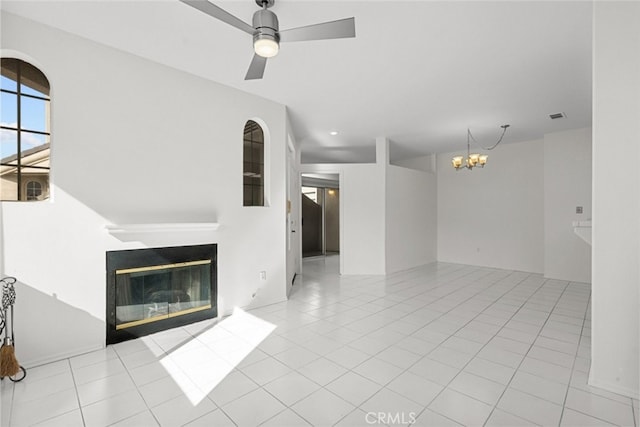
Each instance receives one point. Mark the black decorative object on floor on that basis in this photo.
(9, 366)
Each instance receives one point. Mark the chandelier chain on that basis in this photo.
(470, 137)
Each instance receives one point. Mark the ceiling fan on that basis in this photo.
(267, 35)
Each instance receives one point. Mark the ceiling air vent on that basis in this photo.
(557, 116)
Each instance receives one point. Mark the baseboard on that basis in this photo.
(614, 388)
(32, 363)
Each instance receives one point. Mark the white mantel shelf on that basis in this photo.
(173, 227)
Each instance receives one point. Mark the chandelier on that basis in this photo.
(475, 160)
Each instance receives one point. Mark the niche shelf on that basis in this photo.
(583, 230)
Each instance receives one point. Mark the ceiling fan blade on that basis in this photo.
(221, 14)
(256, 69)
(339, 29)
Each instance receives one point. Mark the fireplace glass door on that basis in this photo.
(148, 294)
(154, 289)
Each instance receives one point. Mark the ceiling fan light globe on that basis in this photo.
(267, 48)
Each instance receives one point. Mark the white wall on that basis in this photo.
(411, 216)
(567, 184)
(616, 191)
(493, 216)
(421, 163)
(134, 141)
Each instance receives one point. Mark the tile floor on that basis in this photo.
(442, 345)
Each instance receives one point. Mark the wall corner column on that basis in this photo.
(616, 194)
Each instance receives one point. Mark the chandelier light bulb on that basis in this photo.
(457, 162)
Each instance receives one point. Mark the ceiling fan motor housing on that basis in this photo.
(266, 24)
(267, 3)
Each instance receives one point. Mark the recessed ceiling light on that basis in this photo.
(333, 133)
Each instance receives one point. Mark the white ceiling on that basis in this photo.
(418, 72)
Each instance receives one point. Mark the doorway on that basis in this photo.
(320, 215)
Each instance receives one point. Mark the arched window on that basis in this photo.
(25, 127)
(253, 171)
(34, 190)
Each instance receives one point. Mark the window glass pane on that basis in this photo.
(35, 184)
(8, 185)
(8, 173)
(257, 196)
(8, 106)
(34, 190)
(257, 153)
(250, 169)
(9, 73)
(37, 173)
(246, 153)
(33, 81)
(26, 90)
(8, 145)
(247, 195)
(35, 152)
(34, 114)
(30, 140)
(255, 135)
(8, 84)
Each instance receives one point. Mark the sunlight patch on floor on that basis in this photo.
(199, 365)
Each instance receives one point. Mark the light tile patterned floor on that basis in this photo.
(439, 345)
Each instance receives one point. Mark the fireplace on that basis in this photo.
(149, 290)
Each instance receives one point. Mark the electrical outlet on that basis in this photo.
(263, 275)
(578, 209)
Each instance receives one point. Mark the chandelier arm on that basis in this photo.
(470, 136)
